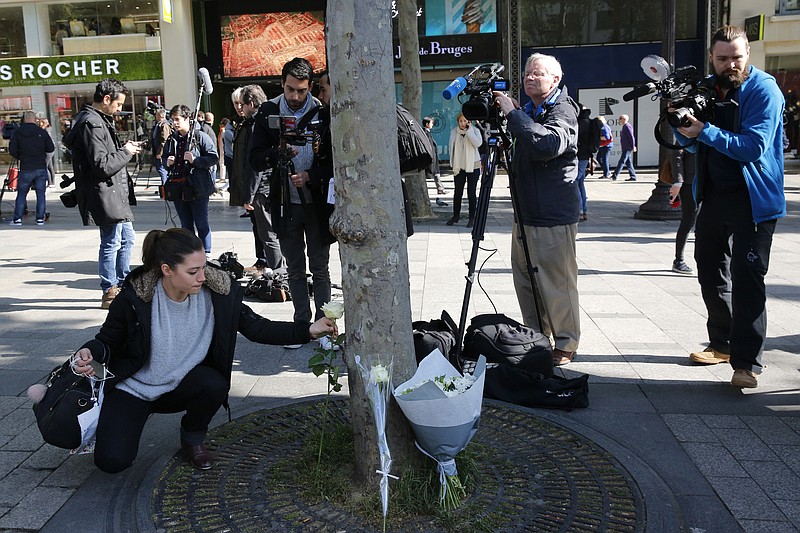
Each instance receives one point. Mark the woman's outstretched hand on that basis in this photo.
(323, 326)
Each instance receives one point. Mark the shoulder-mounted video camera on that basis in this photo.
(687, 91)
(295, 131)
(478, 86)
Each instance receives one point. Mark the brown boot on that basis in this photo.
(108, 297)
(198, 455)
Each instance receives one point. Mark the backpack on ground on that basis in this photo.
(512, 385)
(416, 152)
(269, 288)
(435, 334)
(504, 340)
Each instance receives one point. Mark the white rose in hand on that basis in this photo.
(333, 310)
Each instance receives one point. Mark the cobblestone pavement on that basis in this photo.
(708, 456)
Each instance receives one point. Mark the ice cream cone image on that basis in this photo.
(473, 16)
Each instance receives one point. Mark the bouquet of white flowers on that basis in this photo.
(443, 408)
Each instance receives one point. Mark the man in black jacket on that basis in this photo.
(103, 184)
(545, 167)
(256, 184)
(31, 146)
(298, 205)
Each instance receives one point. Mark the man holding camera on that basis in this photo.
(102, 183)
(545, 167)
(298, 206)
(255, 191)
(739, 187)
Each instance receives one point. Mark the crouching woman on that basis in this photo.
(169, 342)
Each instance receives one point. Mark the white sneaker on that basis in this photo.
(292, 346)
(327, 344)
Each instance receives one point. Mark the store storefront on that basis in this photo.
(57, 87)
(55, 53)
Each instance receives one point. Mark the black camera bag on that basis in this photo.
(504, 340)
(435, 334)
(269, 288)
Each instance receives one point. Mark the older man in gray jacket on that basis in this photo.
(544, 169)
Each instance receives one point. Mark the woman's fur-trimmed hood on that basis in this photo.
(144, 285)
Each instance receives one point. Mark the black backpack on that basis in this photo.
(416, 152)
(437, 334)
(504, 340)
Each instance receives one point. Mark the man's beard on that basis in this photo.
(731, 80)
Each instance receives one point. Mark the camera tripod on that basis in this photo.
(499, 142)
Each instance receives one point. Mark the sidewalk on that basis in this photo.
(716, 458)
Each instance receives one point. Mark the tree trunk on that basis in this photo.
(411, 75)
(369, 222)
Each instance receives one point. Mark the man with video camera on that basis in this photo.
(297, 200)
(739, 188)
(545, 168)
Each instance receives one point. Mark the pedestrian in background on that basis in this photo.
(585, 153)
(190, 155)
(31, 146)
(682, 165)
(627, 143)
(103, 184)
(465, 159)
(605, 146)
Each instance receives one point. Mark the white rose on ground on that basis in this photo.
(379, 374)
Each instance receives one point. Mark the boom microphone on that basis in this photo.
(205, 80)
(455, 87)
(641, 90)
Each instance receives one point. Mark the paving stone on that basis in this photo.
(11, 460)
(36, 508)
(772, 430)
(791, 508)
(72, 472)
(714, 459)
(723, 421)
(766, 526)
(745, 445)
(16, 422)
(9, 403)
(775, 478)
(18, 483)
(46, 458)
(689, 428)
(745, 499)
(789, 455)
(30, 439)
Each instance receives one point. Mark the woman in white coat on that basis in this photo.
(466, 162)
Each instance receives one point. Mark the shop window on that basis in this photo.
(12, 36)
(787, 7)
(581, 22)
(93, 19)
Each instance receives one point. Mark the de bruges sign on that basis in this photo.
(67, 70)
(455, 49)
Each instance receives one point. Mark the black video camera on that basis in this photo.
(479, 86)
(687, 91)
(291, 130)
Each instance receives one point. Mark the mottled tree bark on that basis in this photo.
(368, 221)
(408, 32)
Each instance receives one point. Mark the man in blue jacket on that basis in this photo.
(739, 186)
(545, 167)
